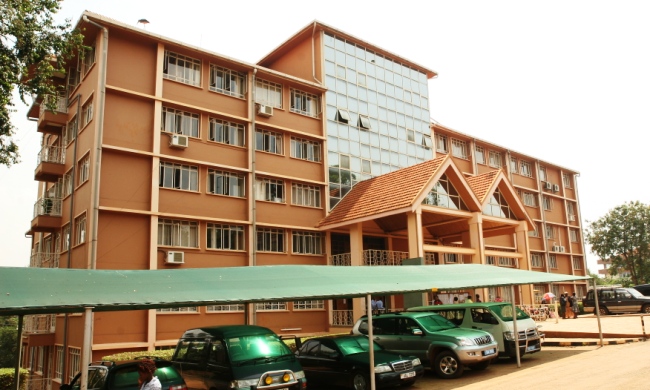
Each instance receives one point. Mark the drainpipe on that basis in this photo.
(253, 192)
(313, 55)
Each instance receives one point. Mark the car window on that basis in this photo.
(623, 294)
(328, 350)
(217, 353)
(505, 312)
(482, 316)
(190, 351)
(455, 316)
(607, 294)
(167, 373)
(125, 377)
(634, 292)
(251, 347)
(310, 348)
(383, 326)
(406, 326)
(96, 378)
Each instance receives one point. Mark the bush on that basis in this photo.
(165, 354)
(7, 378)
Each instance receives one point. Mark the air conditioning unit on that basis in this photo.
(556, 248)
(548, 185)
(561, 249)
(179, 141)
(263, 110)
(556, 188)
(174, 257)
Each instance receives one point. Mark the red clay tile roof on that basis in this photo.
(482, 183)
(392, 191)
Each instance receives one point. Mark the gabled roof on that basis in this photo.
(392, 192)
(481, 184)
(485, 184)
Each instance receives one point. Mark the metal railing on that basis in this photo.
(342, 318)
(371, 257)
(342, 259)
(61, 104)
(42, 323)
(48, 206)
(51, 154)
(44, 260)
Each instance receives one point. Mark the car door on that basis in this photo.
(320, 361)
(483, 319)
(626, 302)
(608, 300)
(96, 378)
(385, 333)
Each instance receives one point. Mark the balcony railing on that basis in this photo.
(44, 260)
(51, 154)
(371, 257)
(42, 323)
(48, 206)
(342, 259)
(342, 318)
(61, 104)
(38, 383)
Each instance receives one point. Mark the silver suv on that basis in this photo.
(445, 347)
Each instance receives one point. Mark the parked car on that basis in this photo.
(495, 318)
(237, 357)
(643, 289)
(612, 300)
(344, 360)
(107, 375)
(439, 343)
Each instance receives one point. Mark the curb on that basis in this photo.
(582, 343)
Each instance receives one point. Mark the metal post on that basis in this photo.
(371, 342)
(514, 325)
(600, 329)
(85, 351)
(19, 343)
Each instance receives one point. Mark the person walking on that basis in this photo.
(562, 306)
(574, 305)
(569, 306)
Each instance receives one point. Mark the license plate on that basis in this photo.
(407, 375)
(531, 348)
(489, 352)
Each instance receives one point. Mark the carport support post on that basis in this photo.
(600, 330)
(85, 351)
(19, 344)
(371, 343)
(515, 330)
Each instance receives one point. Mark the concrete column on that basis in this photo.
(356, 260)
(415, 236)
(523, 247)
(476, 237)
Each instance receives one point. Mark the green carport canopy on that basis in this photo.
(26, 291)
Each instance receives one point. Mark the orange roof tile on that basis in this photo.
(392, 191)
(482, 183)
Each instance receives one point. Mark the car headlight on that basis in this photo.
(382, 368)
(416, 362)
(465, 341)
(508, 336)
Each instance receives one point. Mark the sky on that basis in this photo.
(567, 82)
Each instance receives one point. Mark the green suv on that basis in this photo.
(445, 347)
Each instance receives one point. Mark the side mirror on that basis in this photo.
(417, 332)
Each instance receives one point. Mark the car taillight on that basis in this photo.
(178, 387)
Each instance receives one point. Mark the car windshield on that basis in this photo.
(505, 312)
(249, 348)
(634, 292)
(352, 345)
(435, 323)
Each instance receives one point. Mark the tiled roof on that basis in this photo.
(481, 184)
(392, 191)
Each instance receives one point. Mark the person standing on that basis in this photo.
(562, 307)
(147, 380)
(478, 298)
(436, 300)
(380, 306)
(574, 305)
(569, 305)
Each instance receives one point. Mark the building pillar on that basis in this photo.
(523, 247)
(356, 260)
(476, 242)
(415, 245)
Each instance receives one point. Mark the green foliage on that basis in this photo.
(165, 354)
(8, 335)
(29, 40)
(622, 236)
(7, 378)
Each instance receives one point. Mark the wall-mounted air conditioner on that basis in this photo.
(555, 248)
(548, 185)
(561, 249)
(175, 257)
(179, 141)
(556, 188)
(263, 110)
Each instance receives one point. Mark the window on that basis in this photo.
(529, 199)
(342, 116)
(268, 93)
(87, 112)
(80, 229)
(178, 233)
(67, 183)
(180, 177)
(83, 169)
(426, 141)
(305, 195)
(58, 361)
(70, 130)
(525, 169)
(567, 180)
(227, 132)
(480, 155)
(571, 212)
(225, 237)
(226, 183)
(573, 235)
(441, 143)
(305, 149)
(73, 79)
(459, 148)
(451, 258)
(552, 261)
(364, 122)
(270, 306)
(577, 263)
(189, 309)
(506, 262)
(551, 231)
(65, 233)
(180, 122)
(514, 165)
(548, 203)
(271, 190)
(227, 81)
(542, 173)
(443, 194)
(75, 362)
(497, 206)
(178, 67)
(88, 60)
(268, 141)
(318, 304)
(270, 240)
(365, 166)
(535, 232)
(490, 260)
(307, 243)
(536, 260)
(225, 308)
(495, 159)
(304, 103)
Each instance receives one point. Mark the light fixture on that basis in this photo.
(144, 22)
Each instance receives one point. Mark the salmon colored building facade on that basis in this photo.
(164, 155)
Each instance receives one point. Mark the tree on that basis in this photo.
(32, 48)
(8, 338)
(622, 237)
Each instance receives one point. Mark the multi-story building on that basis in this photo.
(165, 155)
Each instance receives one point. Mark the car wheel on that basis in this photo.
(447, 366)
(645, 309)
(603, 310)
(481, 366)
(360, 381)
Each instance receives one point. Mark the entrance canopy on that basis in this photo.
(54, 290)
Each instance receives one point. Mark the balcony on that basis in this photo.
(40, 323)
(44, 260)
(51, 164)
(47, 215)
(371, 257)
(52, 122)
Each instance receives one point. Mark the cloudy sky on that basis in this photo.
(567, 82)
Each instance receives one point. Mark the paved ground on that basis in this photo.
(585, 329)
